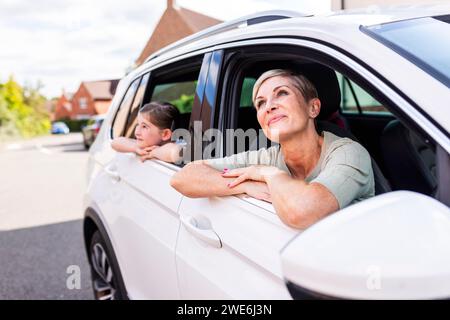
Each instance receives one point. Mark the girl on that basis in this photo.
(155, 122)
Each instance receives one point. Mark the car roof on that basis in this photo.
(341, 29)
(369, 16)
(373, 15)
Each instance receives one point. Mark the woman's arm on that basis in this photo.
(197, 180)
(298, 204)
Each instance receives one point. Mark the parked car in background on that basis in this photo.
(59, 128)
(385, 74)
(91, 130)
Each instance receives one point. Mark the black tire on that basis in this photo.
(104, 273)
(86, 145)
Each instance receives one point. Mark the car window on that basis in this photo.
(180, 94)
(137, 104)
(420, 40)
(355, 100)
(176, 84)
(246, 92)
(121, 117)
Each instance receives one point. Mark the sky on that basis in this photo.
(63, 42)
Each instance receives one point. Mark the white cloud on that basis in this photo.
(64, 42)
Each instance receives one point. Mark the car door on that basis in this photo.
(143, 218)
(229, 247)
(147, 222)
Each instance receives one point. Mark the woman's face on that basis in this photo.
(147, 134)
(282, 110)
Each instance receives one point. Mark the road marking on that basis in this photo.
(42, 149)
(14, 146)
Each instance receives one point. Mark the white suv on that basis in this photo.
(383, 78)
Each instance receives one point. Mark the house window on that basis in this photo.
(83, 103)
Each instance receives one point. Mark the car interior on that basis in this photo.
(173, 88)
(403, 158)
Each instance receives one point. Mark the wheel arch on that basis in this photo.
(92, 223)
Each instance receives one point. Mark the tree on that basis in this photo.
(22, 110)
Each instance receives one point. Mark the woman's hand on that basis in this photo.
(255, 173)
(257, 190)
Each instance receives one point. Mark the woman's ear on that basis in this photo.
(166, 134)
(314, 108)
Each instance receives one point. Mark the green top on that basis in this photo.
(344, 167)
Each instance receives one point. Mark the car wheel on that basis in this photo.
(86, 145)
(104, 274)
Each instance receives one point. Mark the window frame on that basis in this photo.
(166, 70)
(116, 112)
(128, 124)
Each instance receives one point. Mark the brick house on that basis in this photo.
(175, 24)
(92, 98)
(63, 106)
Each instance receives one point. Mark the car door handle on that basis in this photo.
(112, 172)
(202, 231)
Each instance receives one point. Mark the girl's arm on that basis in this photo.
(123, 144)
(169, 152)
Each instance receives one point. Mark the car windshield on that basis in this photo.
(423, 41)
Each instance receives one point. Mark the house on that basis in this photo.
(92, 98)
(63, 106)
(175, 24)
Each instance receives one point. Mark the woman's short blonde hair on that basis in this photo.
(303, 85)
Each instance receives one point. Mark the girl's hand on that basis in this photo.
(141, 151)
(255, 173)
(148, 153)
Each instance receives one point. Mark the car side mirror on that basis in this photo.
(393, 246)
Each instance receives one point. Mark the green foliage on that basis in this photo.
(22, 111)
(184, 103)
(74, 124)
(246, 93)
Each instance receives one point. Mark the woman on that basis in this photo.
(306, 177)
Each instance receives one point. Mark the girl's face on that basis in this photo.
(147, 134)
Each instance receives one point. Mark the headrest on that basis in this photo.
(327, 85)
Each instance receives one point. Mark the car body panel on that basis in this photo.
(246, 266)
(407, 259)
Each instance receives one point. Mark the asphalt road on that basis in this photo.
(41, 240)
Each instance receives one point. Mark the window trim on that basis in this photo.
(127, 123)
(116, 112)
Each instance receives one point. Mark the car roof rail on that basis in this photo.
(252, 19)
